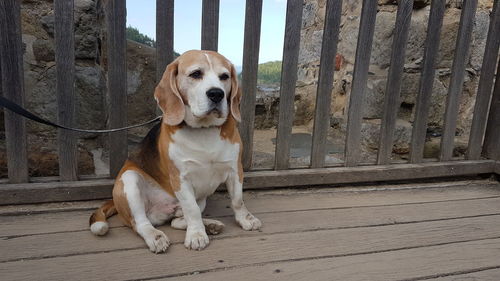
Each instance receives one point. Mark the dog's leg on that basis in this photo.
(196, 237)
(245, 219)
(156, 240)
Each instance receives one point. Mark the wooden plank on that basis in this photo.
(484, 89)
(474, 215)
(210, 25)
(426, 83)
(117, 83)
(288, 79)
(101, 189)
(263, 249)
(65, 88)
(491, 147)
(481, 199)
(55, 191)
(405, 264)
(360, 76)
(479, 274)
(393, 86)
(308, 177)
(164, 35)
(11, 60)
(497, 168)
(457, 79)
(251, 45)
(325, 82)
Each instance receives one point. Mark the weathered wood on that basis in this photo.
(497, 168)
(479, 274)
(325, 82)
(288, 79)
(124, 238)
(427, 238)
(210, 25)
(426, 83)
(101, 189)
(32, 220)
(405, 264)
(393, 86)
(26, 193)
(359, 79)
(11, 61)
(491, 147)
(457, 78)
(251, 44)
(65, 88)
(486, 78)
(117, 83)
(164, 35)
(310, 177)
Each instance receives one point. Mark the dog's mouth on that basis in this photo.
(213, 112)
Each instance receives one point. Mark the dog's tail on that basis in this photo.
(97, 221)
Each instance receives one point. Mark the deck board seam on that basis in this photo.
(455, 273)
(309, 258)
(214, 238)
(16, 214)
(6, 237)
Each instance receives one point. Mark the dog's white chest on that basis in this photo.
(203, 158)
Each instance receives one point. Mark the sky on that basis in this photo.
(187, 26)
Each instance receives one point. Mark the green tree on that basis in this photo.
(135, 35)
(269, 74)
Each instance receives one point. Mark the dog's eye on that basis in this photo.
(196, 74)
(224, 77)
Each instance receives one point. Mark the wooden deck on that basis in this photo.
(431, 231)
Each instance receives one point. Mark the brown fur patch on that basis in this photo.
(229, 131)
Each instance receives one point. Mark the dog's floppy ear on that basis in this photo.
(168, 97)
(235, 97)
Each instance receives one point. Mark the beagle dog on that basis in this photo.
(185, 158)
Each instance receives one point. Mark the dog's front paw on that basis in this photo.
(157, 241)
(196, 240)
(249, 222)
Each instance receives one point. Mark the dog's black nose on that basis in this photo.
(215, 94)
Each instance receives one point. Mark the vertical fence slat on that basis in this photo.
(491, 147)
(426, 81)
(393, 86)
(251, 44)
(325, 82)
(288, 79)
(485, 85)
(117, 83)
(210, 25)
(360, 77)
(11, 60)
(65, 77)
(457, 78)
(164, 35)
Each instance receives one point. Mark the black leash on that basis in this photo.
(23, 112)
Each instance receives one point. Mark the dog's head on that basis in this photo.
(199, 88)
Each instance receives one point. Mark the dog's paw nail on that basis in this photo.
(157, 241)
(197, 240)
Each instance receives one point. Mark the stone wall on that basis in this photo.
(37, 18)
(312, 31)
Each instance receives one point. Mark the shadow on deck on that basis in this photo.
(442, 231)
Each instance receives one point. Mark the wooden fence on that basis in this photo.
(483, 154)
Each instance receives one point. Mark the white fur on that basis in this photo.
(136, 189)
(204, 161)
(99, 228)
